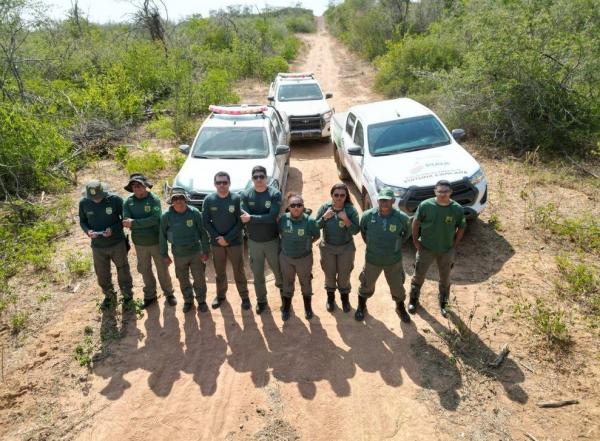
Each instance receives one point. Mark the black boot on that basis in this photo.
(261, 306)
(330, 305)
(285, 308)
(308, 312)
(401, 310)
(443, 295)
(345, 302)
(413, 303)
(359, 315)
(148, 302)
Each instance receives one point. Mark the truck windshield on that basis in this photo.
(231, 143)
(299, 92)
(406, 135)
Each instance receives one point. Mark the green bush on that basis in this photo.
(147, 163)
(161, 128)
(32, 151)
(18, 321)
(271, 66)
(410, 66)
(583, 232)
(303, 24)
(579, 282)
(77, 264)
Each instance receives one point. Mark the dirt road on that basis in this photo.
(238, 376)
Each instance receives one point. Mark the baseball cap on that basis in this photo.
(95, 190)
(385, 193)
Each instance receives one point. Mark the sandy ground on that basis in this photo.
(233, 375)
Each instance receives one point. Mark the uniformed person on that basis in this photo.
(384, 230)
(221, 216)
(181, 225)
(438, 226)
(260, 211)
(100, 217)
(339, 220)
(141, 213)
(297, 231)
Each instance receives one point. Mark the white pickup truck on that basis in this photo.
(234, 139)
(403, 145)
(301, 98)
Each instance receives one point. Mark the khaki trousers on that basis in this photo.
(235, 255)
(258, 252)
(394, 274)
(302, 267)
(424, 259)
(337, 262)
(145, 255)
(116, 254)
(183, 266)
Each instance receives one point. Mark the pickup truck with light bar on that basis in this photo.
(300, 96)
(234, 139)
(403, 145)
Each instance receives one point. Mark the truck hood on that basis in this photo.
(424, 168)
(301, 108)
(197, 174)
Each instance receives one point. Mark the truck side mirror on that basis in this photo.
(458, 134)
(184, 148)
(270, 98)
(355, 151)
(282, 149)
(328, 95)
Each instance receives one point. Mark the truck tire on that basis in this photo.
(342, 172)
(365, 200)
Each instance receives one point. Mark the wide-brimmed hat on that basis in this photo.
(140, 178)
(385, 194)
(96, 190)
(178, 192)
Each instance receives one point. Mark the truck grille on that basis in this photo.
(309, 122)
(197, 199)
(462, 192)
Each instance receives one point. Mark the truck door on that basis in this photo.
(278, 171)
(346, 138)
(356, 162)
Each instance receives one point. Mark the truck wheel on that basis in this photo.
(365, 200)
(342, 172)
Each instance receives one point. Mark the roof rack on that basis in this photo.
(238, 110)
(296, 75)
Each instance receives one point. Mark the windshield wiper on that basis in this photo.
(202, 156)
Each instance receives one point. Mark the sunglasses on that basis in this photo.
(178, 198)
(339, 195)
(221, 182)
(256, 177)
(296, 205)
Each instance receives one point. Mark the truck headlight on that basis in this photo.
(399, 192)
(477, 177)
(327, 115)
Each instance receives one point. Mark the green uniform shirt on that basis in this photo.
(263, 208)
(297, 236)
(335, 231)
(185, 232)
(221, 217)
(439, 224)
(146, 218)
(384, 235)
(100, 216)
